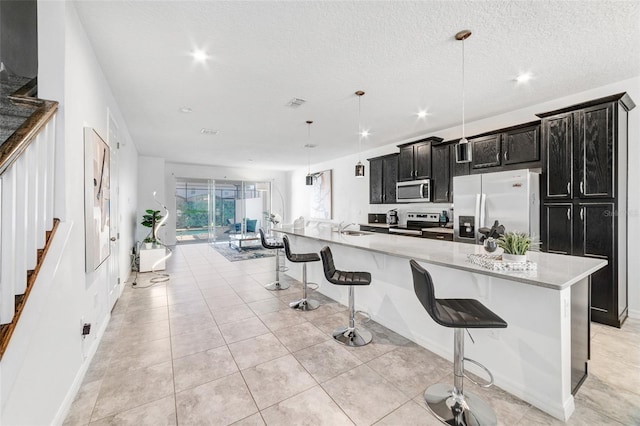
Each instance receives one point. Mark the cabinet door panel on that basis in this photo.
(595, 223)
(389, 178)
(422, 160)
(441, 176)
(557, 229)
(521, 146)
(557, 135)
(405, 164)
(485, 151)
(375, 181)
(596, 152)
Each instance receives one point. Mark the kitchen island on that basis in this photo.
(541, 357)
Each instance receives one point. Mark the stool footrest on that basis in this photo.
(482, 385)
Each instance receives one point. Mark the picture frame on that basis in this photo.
(320, 196)
(97, 198)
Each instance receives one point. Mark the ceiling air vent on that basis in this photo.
(295, 102)
(206, 131)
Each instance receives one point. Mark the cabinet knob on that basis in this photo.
(582, 214)
(506, 155)
(497, 157)
(581, 187)
(446, 195)
(568, 187)
(113, 238)
(569, 214)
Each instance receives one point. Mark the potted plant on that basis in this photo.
(148, 242)
(515, 246)
(150, 220)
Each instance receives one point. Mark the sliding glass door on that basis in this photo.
(217, 210)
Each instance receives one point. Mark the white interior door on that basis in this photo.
(114, 285)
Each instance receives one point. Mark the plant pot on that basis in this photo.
(148, 245)
(514, 258)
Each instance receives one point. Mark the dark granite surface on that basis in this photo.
(11, 115)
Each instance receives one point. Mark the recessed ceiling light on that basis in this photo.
(365, 133)
(185, 110)
(524, 77)
(422, 114)
(205, 131)
(310, 145)
(200, 55)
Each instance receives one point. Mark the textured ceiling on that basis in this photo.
(402, 54)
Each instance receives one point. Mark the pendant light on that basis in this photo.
(359, 166)
(309, 177)
(463, 148)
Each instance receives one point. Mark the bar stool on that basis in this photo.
(303, 304)
(276, 285)
(350, 335)
(451, 405)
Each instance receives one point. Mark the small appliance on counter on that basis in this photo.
(377, 218)
(392, 217)
(443, 219)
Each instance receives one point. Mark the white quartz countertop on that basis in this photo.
(554, 271)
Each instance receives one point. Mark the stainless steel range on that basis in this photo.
(416, 221)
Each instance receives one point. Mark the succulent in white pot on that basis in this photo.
(515, 246)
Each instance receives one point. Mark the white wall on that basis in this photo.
(152, 168)
(56, 356)
(351, 195)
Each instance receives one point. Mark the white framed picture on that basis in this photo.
(96, 199)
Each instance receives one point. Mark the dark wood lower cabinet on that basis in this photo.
(588, 229)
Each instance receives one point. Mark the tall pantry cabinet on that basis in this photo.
(585, 187)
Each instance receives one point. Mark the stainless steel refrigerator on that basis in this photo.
(512, 198)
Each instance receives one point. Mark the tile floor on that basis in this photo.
(211, 346)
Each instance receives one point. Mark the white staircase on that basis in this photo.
(26, 202)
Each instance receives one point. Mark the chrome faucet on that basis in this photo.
(341, 228)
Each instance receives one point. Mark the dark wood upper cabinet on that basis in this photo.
(557, 139)
(485, 151)
(405, 164)
(441, 173)
(383, 175)
(375, 180)
(389, 178)
(595, 159)
(422, 160)
(414, 161)
(521, 145)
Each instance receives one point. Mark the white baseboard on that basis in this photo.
(634, 313)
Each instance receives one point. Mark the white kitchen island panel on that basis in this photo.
(531, 358)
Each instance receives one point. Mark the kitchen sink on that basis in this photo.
(355, 233)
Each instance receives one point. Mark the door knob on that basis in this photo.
(113, 238)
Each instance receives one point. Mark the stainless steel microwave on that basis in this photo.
(413, 191)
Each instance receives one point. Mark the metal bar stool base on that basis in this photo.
(277, 285)
(305, 304)
(467, 409)
(352, 336)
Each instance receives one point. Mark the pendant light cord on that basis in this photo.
(463, 89)
(359, 131)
